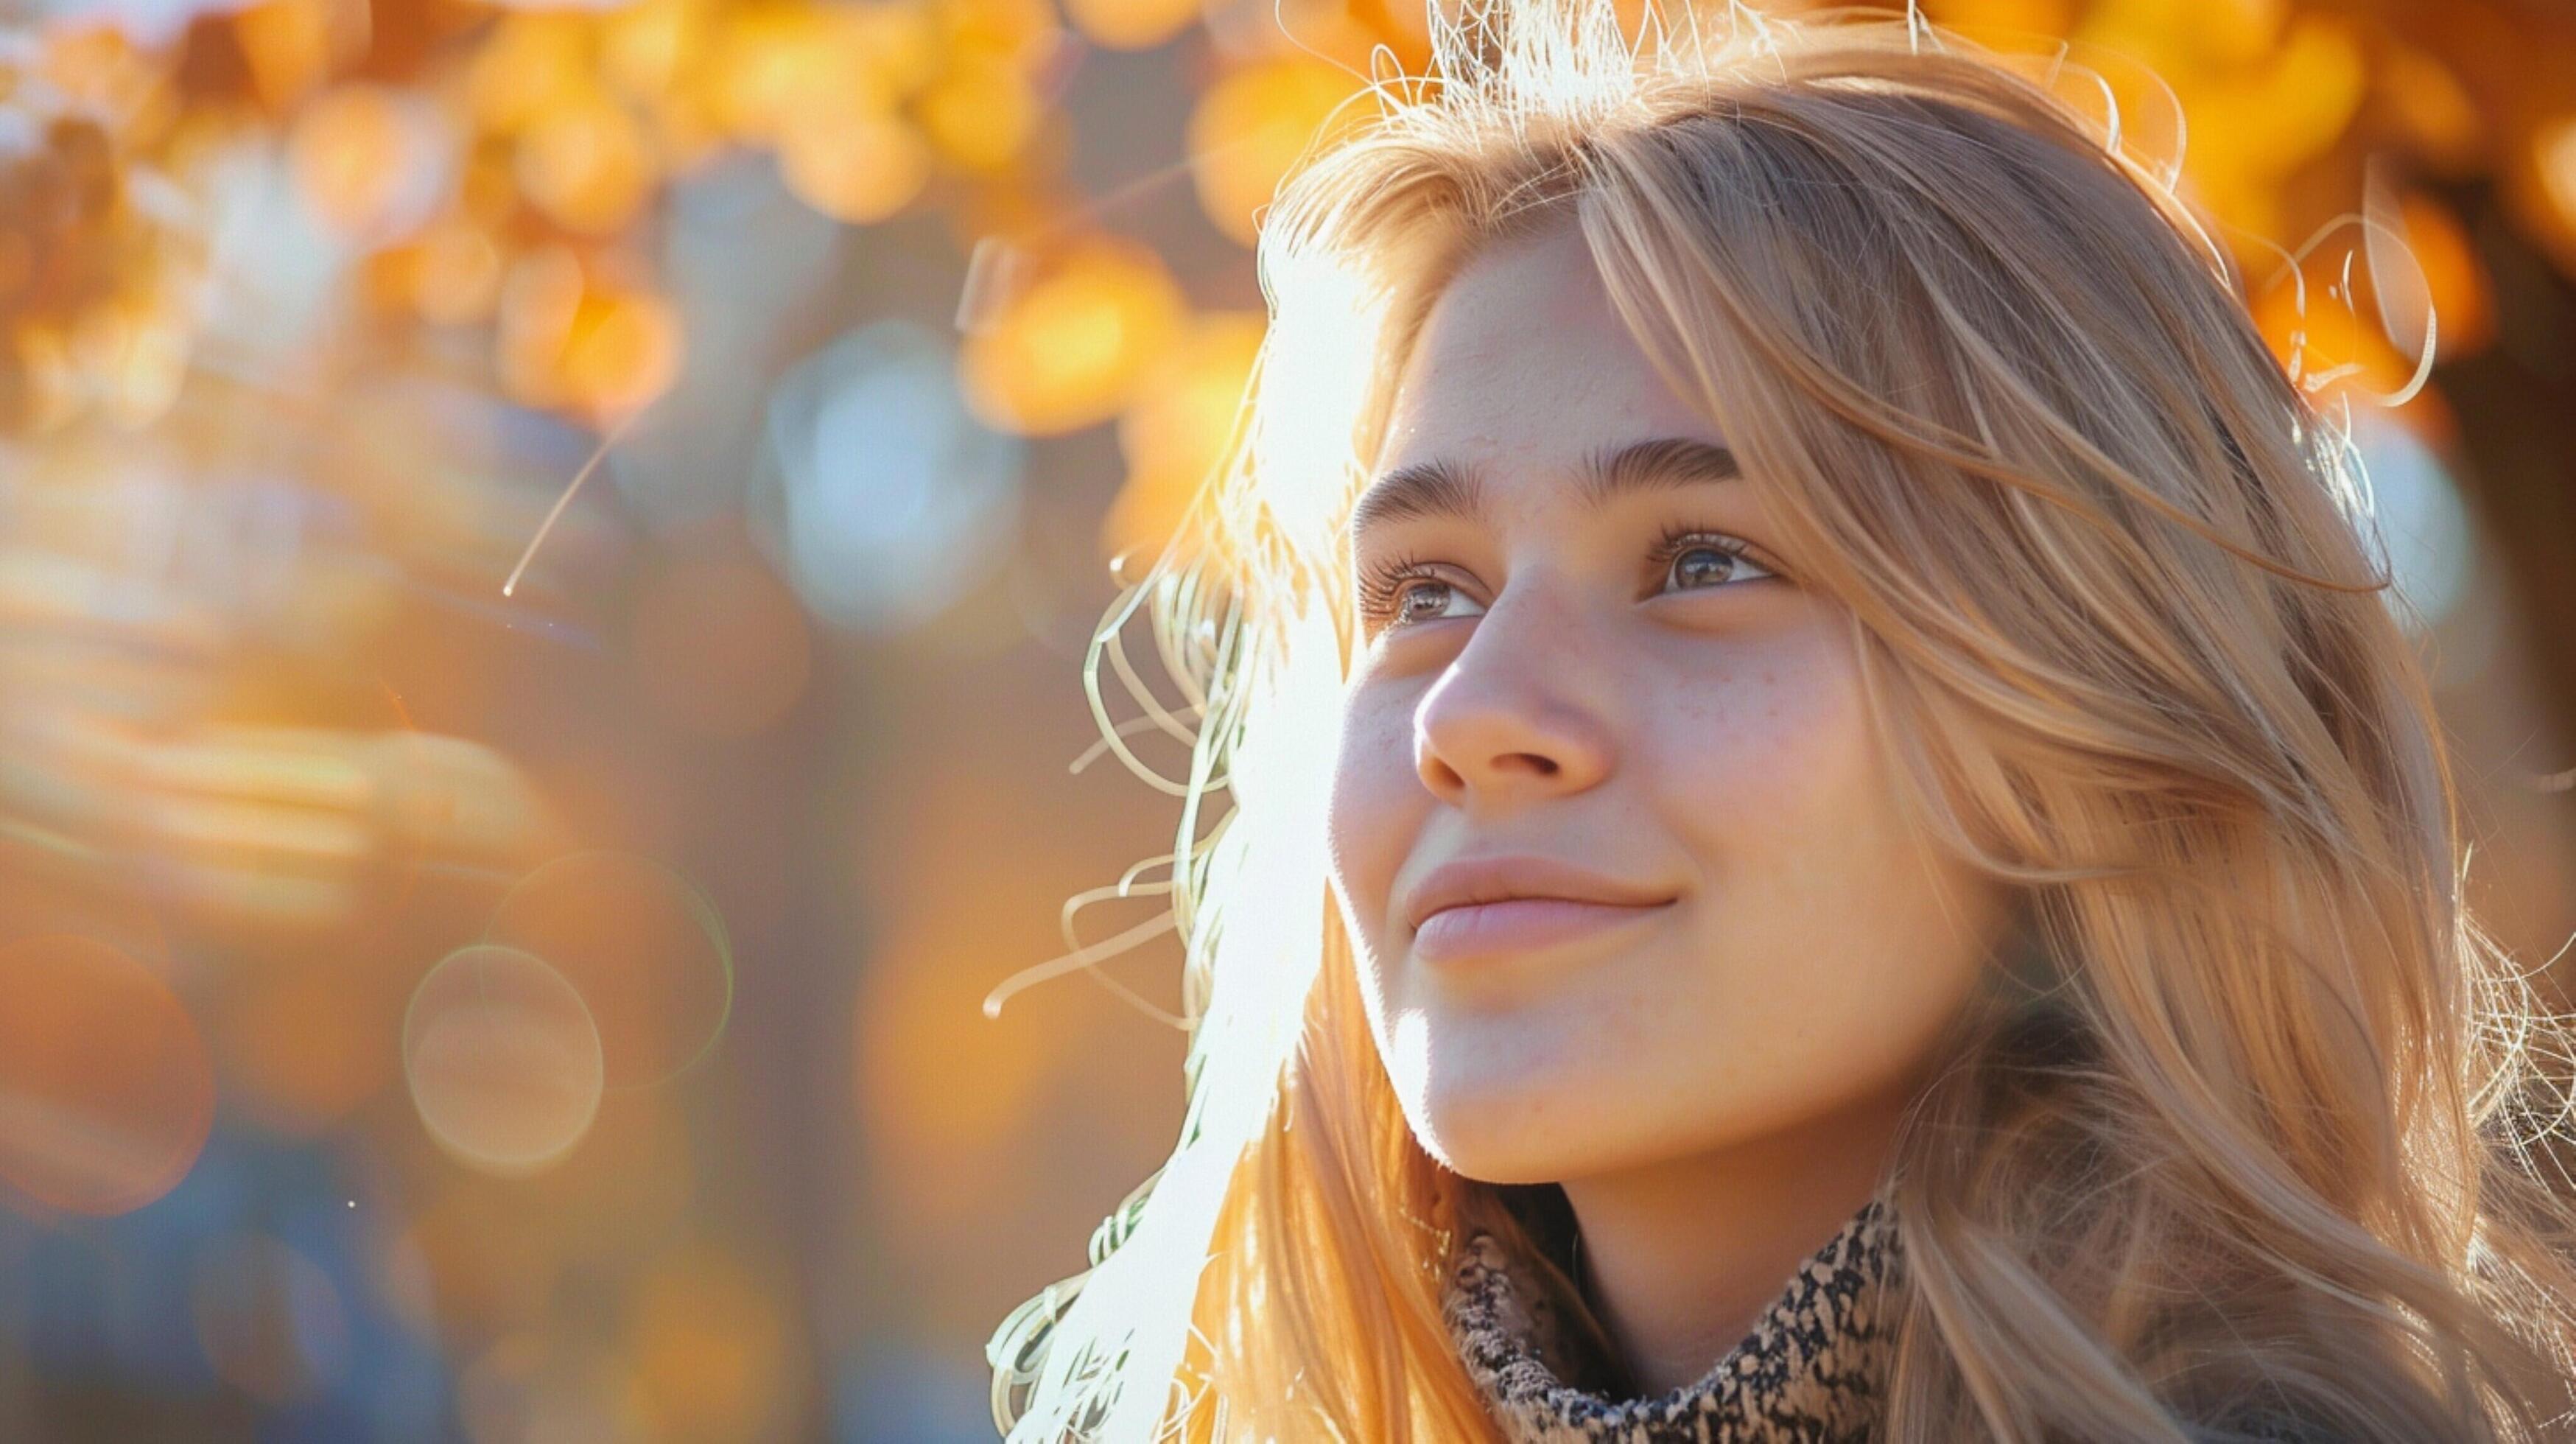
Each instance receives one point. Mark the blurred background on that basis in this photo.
(546, 555)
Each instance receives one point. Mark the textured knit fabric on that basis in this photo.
(1808, 1372)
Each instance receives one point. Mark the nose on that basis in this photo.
(1511, 718)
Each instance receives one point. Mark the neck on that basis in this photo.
(1680, 1258)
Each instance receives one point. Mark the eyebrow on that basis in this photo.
(1439, 488)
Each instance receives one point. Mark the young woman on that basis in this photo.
(1834, 837)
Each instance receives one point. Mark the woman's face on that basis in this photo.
(1549, 680)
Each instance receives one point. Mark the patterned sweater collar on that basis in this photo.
(1809, 1370)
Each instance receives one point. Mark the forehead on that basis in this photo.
(1522, 368)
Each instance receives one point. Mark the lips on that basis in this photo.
(1520, 926)
(1468, 882)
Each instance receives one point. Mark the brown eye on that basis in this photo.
(1406, 611)
(1386, 592)
(1710, 558)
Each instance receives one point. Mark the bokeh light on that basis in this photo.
(1067, 350)
(1251, 126)
(503, 1059)
(644, 950)
(106, 1089)
(269, 1318)
(2420, 517)
(1186, 410)
(861, 164)
(1131, 24)
(373, 160)
(573, 334)
(892, 498)
(586, 161)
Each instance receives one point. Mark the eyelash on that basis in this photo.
(1384, 585)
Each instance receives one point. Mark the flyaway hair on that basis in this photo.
(2255, 1118)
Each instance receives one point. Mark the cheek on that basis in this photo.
(1377, 802)
(1766, 750)
(1831, 938)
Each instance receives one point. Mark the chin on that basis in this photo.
(1496, 1137)
(1495, 1166)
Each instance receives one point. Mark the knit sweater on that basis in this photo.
(1808, 1372)
(1811, 1370)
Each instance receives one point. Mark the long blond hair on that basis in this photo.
(2257, 1121)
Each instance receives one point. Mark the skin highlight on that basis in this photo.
(1716, 1085)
